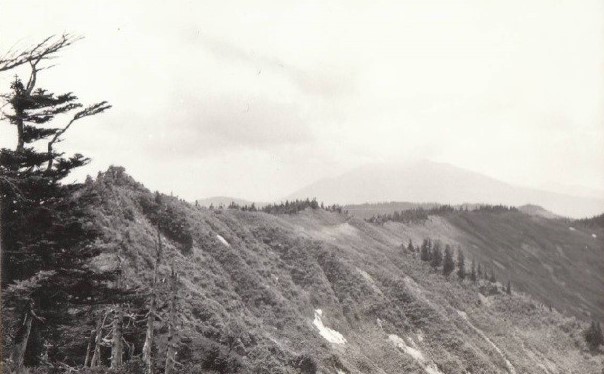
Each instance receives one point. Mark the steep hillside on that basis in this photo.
(321, 290)
(428, 181)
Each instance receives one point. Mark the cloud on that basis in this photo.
(326, 80)
(219, 124)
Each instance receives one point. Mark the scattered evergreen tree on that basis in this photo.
(410, 247)
(461, 265)
(492, 278)
(426, 251)
(593, 336)
(448, 264)
(479, 274)
(473, 275)
(437, 256)
(508, 288)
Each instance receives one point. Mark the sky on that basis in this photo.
(258, 99)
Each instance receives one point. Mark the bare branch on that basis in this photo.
(41, 51)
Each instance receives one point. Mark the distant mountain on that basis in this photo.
(428, 181)
(222, 200)
(538, 211)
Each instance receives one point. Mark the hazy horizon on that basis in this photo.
(258, 100)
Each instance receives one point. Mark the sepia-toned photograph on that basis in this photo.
(302, 187)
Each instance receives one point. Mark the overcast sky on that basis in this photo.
(257, 99)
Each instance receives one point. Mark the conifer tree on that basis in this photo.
(410, 247)
(437, 256)
(508, 288)
(448, 264)
(45, 239)
(593, 336)
(461, 265)
(473, 275)
(426, 251)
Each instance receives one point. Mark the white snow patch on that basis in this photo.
(594, 236)
(328, 334)
(571, 228)
(370, 280)
(508, 364)
(340, 371)
(415, 352)
(222, 240)
(420, 337)
(402, 345)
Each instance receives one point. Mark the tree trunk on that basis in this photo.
(89, 347)
(147, 347)
(117, 348)
(96, 356)
(18, 354)
(172, 344)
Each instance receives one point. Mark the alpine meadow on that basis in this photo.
(302, 187)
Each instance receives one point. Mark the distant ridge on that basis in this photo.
(427, 181)
(225, 201)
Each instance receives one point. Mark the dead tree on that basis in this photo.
(117, 348)
(147, 347)
(98, 340)
(172, 336)
(91, 341)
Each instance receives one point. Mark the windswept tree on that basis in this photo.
(45, 238)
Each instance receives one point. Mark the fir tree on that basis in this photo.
(593, 336)
(508, 288)
(473, 275)
(425, 254)
(461, 265)
(410, 247)
(448, 264)
(46, 240)
(437, 256)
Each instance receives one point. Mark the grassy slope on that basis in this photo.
(561, 267)
(277, 270)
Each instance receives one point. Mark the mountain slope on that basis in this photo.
(328, 291)
(325, 290)
(428, 181)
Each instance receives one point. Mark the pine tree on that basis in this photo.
(410, 247)
(492, 278)
(437, 256)
(479, 272)
(448, 264)
(593, 336)
(426, 251)
(461, 265)
(473, 275)
(508, 288)
(45, 237)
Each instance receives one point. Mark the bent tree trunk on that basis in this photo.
(18, 354)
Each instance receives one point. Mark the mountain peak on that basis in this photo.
(429, 181)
